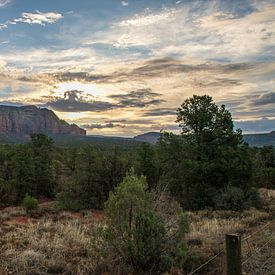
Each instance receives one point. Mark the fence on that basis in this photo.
(233, 252)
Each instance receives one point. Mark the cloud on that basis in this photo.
(78, 101)
(3, 3)
(264, 99)
(124, 3)
(132, 121)
(74, 101)
(3, 26)
(148, 18)
(160, 112)
(140, 98)
(102, 126)
(40, 18)
(155, 68)
(4, 42)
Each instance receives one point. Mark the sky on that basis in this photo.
(122, 68)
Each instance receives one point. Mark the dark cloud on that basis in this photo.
(158, 67)
(140, 98)
(74, 76)
(264, 99)
(219, 82)
(74, 101)
(77, 101)
(102, 126)
(131, 121)
(161, 112)
(149, 69)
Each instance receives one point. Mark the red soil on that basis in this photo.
(20, 220)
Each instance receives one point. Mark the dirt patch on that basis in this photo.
(21, 220)
(98, 215)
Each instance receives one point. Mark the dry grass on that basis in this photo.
(48, 247)
(208, 229)
(59, 242)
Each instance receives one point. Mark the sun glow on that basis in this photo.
(91, 89)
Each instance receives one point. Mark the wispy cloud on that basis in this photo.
(40, 18)
(124, 3)
(148, 18)
(103, 126)
(4, 42)
(142, 62)
(3, 3)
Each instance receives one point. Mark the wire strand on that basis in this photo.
(257, 250)
(257, 231)
(207, 262)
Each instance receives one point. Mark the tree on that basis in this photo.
(30, 203)
(136, 234)
(42, 147)
(23, 171)
(209, 156)
(115, 170)
(89, 174)
(145, 163)
(203, 120)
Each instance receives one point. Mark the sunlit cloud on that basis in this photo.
(134, 68)
(40, 18)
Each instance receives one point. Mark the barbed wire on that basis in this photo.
(207, 262)
(257, 250)
(258, 231)
(245, 239)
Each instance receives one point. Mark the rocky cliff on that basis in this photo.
(26, 120)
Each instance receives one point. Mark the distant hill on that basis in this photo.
(257, 140)
(18, 123)
(151, 137)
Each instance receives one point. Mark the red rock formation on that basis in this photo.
(27, 120)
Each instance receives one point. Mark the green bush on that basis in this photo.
(30, 203)
(7, 193)
(69, 198)
(137, 234)
(234, 198)
(145, 247)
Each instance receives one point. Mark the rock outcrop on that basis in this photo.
(26, 120)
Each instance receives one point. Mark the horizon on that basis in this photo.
(138, 134)
(122, 68)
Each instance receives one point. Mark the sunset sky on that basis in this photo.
(123, 67)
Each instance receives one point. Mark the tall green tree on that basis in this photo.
(22, 168)
(208, 159)
(89, 174)
(42, 148)
(146, 163)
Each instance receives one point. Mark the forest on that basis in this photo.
(145, 190)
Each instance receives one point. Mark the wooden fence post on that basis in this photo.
(233, 255)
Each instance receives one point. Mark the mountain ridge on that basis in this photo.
(25, 120)
(258, 140)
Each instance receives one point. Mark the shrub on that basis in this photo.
(30, 203)
(234, 198)
(7, 193)
(69, 198)
(136, 235)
